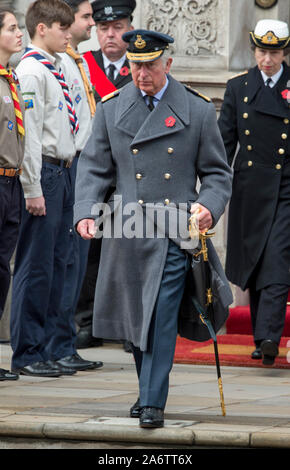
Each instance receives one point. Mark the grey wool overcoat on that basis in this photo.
(151, 158)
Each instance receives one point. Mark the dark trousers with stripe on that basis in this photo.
(154, 365)
(40, 269)
(268, 304)
(10, 211)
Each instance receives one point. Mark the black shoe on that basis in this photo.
(62, 370)
(86, 340)
(38, 369)
(257, 354)
(78, 363)
(151, 417)
(127, 346)
(269, 351)
(136, 409)
(7, 375)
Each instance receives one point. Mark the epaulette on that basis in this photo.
(110, 95)
(197, 93)
(239, 74)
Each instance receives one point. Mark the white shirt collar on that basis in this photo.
(52, 58)
(274, 78)
(118, 64)
(160, 93)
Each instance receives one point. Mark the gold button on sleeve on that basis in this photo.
(249, 147)
(284, 136)
(135, 151)
(246, 99)
(170, 150)
(166, 201)
(281, 151)
(245, 115)
(247, 132)
(250, 163)
(286, 121)
(167, 176)
(138, 176)
(141, 201)
(278, 167)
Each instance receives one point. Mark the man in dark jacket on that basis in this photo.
(109, 67)
(256, 114)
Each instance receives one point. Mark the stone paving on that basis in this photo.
(94, 405)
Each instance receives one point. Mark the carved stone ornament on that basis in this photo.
(265, 3)
(192, 23)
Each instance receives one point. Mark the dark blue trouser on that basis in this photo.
(62, 343)
(154, 365)
(40, 269)
(10, 210)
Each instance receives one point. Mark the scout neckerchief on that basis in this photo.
(59, 76)
(99, 79)
(88, 89)
(8, 74)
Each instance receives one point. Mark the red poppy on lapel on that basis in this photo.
(124, 71)
(170, 121)
(285, 94)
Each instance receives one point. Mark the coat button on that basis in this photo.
(138, 176)
(284, 136)
(167, 176)
(281, 151)
(247, 132)
(278, 167)
(135, 151)
(249, 147)
(246, 99)
(170, 150)
(245, 115)
(141, 201)
(286, 121)
(166, 201)
(250, 163)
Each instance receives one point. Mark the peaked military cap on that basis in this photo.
(110, 10)
(270, 34)
(146, 46)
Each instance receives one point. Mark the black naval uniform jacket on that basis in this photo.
(120, 80)
(256, 119)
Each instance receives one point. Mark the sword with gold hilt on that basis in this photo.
(203, 236)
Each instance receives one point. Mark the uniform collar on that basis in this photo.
(274, 78)
(118, 64)
(54, 59)
(134, 118)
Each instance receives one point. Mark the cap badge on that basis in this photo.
(108, 10)
(269, 38)
(140, 43)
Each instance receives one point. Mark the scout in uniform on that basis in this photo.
(11, 154)
(43, 247)
(255, 114)
(152, 138)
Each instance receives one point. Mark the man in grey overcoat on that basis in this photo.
(152, 139)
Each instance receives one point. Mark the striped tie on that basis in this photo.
(74, 123)
(17, 109)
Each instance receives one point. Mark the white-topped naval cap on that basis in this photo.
(273, 34)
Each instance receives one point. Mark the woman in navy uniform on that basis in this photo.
(256, 114)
